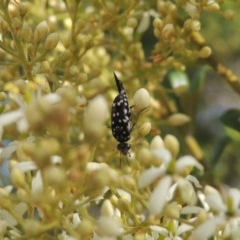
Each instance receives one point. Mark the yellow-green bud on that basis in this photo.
(213, 7)
(195, 25)
(18, 178)
(172, 144)
(132, 22)
(144, 129)
(3, 96)
(141, 100)
(42, 83)
(156, 142)
(23, 8)
(74, 70)
(51, 41)
(185, 192)
(178, 119)
(82, 77)
(144, 156)
(128, 182)
(5, 203)
(139, 236)
(205, 52)
(45, 67)
(16, 23)
(30, 50)
(168, 32)
(54, 176)
(22, 194)
(85, 229)
(158, 23)
(40, 32)
(95, 117)
(172, 210)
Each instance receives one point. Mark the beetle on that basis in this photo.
(121, 123)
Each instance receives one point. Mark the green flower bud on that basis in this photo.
(40, 32)
(51, 41)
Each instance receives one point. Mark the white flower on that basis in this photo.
(207, 229)
(178, 229)
(232, 230)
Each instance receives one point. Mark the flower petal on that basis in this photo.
(11, 117)
(159, 195)
(207, 229)
(150, 175)
(163, 155)
(188, 161)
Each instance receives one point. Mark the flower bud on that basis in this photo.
(74, 70)
(26, 34)
(5, 203)
(85, 229)
(172, 144)
(192, 25)
(95, 117)
(158, 23)
(3, 96)
(23, 8)
(16, 23)
(141, 100)
(144, 156)
(156, 142)
(144, 129)
(107, 209)
(31, 50)
(178, 119)
(132, 22)
(18, 178)
(55, 176)
(172, 210)
(168, 32)
(205, 52)
(82, 77)
(42, 83)
(51, 41)
(40, 32)
(185, 192)
(213, 6)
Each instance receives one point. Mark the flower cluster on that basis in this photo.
(59, 167)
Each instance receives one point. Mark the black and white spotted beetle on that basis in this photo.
(121, 118)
